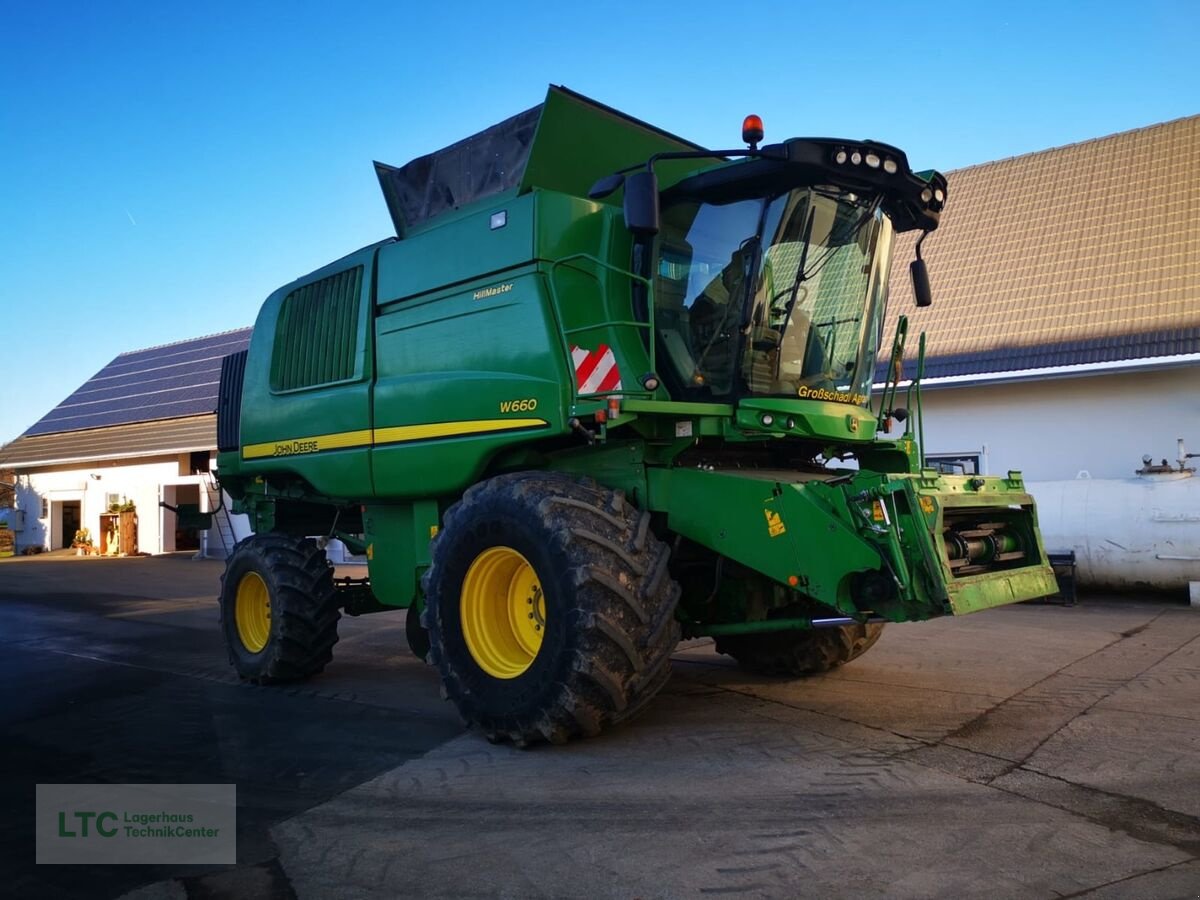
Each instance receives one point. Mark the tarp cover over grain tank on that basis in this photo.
(563, 144)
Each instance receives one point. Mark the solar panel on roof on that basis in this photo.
(164, 382)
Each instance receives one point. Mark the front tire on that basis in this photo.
(279, 611)
(550, 610)
(796, 653)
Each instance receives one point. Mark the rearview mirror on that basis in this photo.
(920, 282)
(641, 203)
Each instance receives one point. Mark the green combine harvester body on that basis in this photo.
(646, 364)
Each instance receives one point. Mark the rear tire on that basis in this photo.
(550, 610)
(796, 653)
(279, 611)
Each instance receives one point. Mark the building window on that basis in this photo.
(45, 508)
(954, 463)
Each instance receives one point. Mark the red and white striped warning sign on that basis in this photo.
(596, 370)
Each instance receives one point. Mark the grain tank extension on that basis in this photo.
(604, 389)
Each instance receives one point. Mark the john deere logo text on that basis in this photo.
(291, 448)
(492, 291)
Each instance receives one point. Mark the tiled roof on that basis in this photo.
(141, 439)
(163, 382)
(1084, 253)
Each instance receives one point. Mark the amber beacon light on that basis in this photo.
(752, 131)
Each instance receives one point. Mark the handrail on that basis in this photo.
(611, 323)
(914, 388)
(887, 399)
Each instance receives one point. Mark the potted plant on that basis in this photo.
(82, 542)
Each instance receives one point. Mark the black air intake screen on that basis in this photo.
(229, 402)
(316, 337)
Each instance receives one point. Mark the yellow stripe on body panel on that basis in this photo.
(315, 444)
(401, 433)
(394, 435)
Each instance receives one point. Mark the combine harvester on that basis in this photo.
(605, 388)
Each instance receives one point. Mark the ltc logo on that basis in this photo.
(83, 822)
(774, 523)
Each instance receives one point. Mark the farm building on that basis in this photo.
(141, 430)
(1064, 335)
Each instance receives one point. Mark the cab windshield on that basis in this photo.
(775, 296)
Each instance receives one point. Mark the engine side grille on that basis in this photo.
(317, 333)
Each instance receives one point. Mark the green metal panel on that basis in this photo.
(978, 592)
(458, 249)
(618, 464)
(579, 141)
(463, 375)
(816, 533)
(782, 529)
(589, 254)
(823, 419)
(398, 539)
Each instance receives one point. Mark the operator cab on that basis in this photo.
(779, 295)
(770, 272)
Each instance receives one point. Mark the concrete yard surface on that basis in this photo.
(1030, 751)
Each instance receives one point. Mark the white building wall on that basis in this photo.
(139, 481)
(1055, 428)
(143, 482)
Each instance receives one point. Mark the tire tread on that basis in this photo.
(796, 653)
(622, 610)
(304, 608)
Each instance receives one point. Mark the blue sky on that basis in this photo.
(164, 166)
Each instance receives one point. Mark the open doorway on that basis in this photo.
(173, 536)
(70, 517)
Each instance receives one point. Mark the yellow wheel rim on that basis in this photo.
(252, 612)
(503, 612)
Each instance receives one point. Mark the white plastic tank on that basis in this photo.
(1127, 533)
